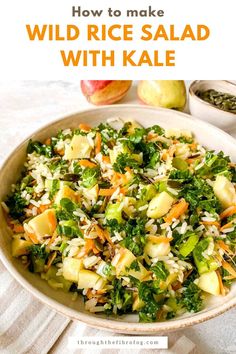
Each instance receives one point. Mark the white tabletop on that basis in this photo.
(27, 105)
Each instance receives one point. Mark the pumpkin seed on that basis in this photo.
(221, 100)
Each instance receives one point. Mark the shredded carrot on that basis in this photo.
(18, 228)
(106, 192)
(119, 179)
(225, 247)
(168, 153)
(164, 156)
(60, 152)
(151, 136)
(209, 223)
(159, 239)
(101, 291)
(48, 141)
(128, 169)
(228, 225)
(115, 181)
(228, 212)
(192, 160)
(90, 245)
(229, 268)
(114, 178)
(86, 248)
(85, 127)
(98, 143)
(100, 232)
(43, 207)
(189, 161)
(30, 206)
(50, 260)
(52, 221)
(108, 236)
(91, 293)
(123, 191)
(222, 288)
(103, 234)
(123, 178)
(193, 146)
(33, 237)
(177, 210)
(87, 163)
(52, 239)
(106, 159)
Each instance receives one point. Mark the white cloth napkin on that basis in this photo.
(28, 326)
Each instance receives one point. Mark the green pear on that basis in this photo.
(163, 93)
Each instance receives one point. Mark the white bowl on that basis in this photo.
(205, 111)
(207, 135)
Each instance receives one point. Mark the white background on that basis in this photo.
(211, 59)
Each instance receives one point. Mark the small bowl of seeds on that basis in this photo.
(215, 102)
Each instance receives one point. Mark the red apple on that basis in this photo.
(101, 92)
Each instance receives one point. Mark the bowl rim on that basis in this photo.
(107, 323)
(207, 104)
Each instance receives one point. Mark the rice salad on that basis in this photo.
(134, 219)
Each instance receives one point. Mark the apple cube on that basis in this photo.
(224, 191)
(172, 277)
(209, 282)
(71, 268)
(43, 224)
(177, 133)
(138, 303)
(79, 148)
(91, 193)
(141, 274)
(117, 150)
(133, 125)
(182, 151)
(65, 192)
(159, 205)
(156, 249)
(88, 279)
(19, 247)
(125, 260)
